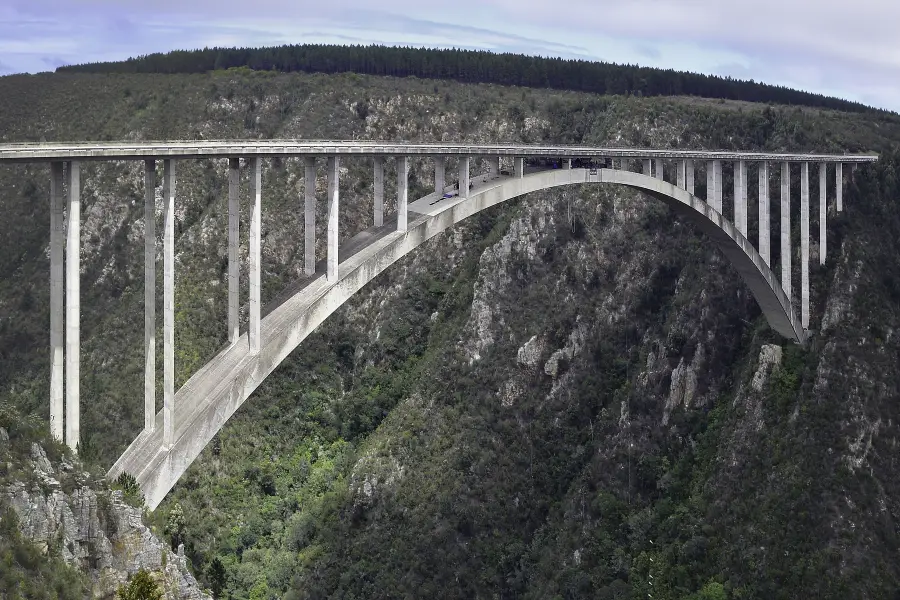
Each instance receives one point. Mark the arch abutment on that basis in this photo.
(149, 295)
(309, 216)
(73, 308)
(764, 213)
(785, 252)
(519, 166)
(823, 200)
(839, 185)
(379, 191)
(464, 177)
(234, 268)
(57, 322)
(682, 174)
(168, 303)
(659, 171)
(689, 175)
(804, 244)
(740, 196)
(439, 174)
(254, 258)
(402, 192)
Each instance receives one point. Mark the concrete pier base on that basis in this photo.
(149, 295)
(786, 228)
(740, 196)
(73, 309)
(254, 254)
(439, 174)
(234, 264)
(823, 210)
(57, 322)
(464, 177)
(689, 175)
(764, 213)
(379, 191)
(839, 185)
(309, 214)
(333, 174)
(804, 244)
(168, 303)
(402, 192)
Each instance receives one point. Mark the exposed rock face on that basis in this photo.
(769, 358)
(97, 532)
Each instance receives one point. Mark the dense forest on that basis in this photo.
(469, 66)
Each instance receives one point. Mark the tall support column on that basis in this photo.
(660, 172)
(379, 191)
(402, 190)
(234, 265)
(519, 165)
(624, 164)
(717, 180)
(567, 163)
(168, 303)
(764, 213)
(439, 175)
(682, 174)
(689, 175)
(647, 167)
(804, 243)
(73, 308)
(464, 177)
(839, 185)
(333, 173)
(740, 196)
(494, 166)
(57, 243)
(309, 221)
(254, 252)
(149, 295)
(786, 228)
(822, 212)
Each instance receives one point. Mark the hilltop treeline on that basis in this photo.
(469, 66)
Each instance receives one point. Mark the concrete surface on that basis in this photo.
(149, 294)
(73, 308)
(57, 319)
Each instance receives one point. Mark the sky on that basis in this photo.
(846, 49)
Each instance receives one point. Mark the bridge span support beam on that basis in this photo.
(234, 265)
(402, 192)
(839, 185)
(439, 175)
(379, 191)
(57, 322)
(73, 308)
(740, 196)
(168, 303)
(150, 295)
(786, 228)
(823, 210)
(333, 173)
(254, 251)
(309, 220)
(464, 177)
(804, 244)
(764, 213)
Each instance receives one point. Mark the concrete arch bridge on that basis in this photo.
(174, 436)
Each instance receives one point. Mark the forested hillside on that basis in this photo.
(572, 396)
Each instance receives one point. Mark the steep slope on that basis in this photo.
(563, 397)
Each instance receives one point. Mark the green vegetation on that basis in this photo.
(141, 587)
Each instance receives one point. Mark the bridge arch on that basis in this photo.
(212, 395)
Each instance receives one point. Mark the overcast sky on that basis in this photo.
(846, 49)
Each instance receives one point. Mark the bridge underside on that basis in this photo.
(213, 394)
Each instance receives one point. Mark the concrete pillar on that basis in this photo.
(786, 228)
(804, 243)
(681, 175)
(689, 175)
(740, 196)
(333, 174)
(149, 295)
(624, 164)
(402, 190)
(379, 191)
(73, 308)
(660, 172)
(764, 213)
(519, 165)
(494, 166)
(254, 254)
(647, 167)
(439, 175)
(234, 265)
(464, 177)
(168, 303)
(567, 163)
(717, 171)
(822, 212)
(839, 185)
(57, 243)
(309, 221)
